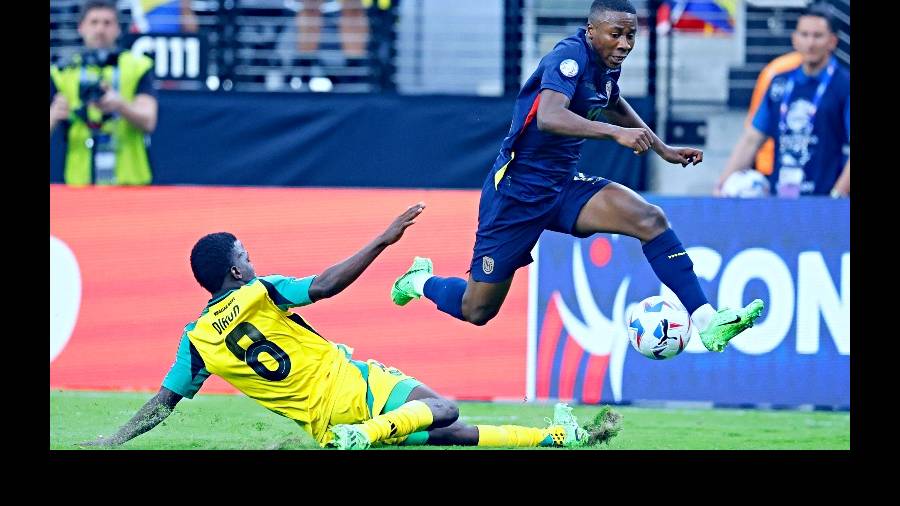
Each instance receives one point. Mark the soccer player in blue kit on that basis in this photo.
(534, 186)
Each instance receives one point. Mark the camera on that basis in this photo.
(90, 89)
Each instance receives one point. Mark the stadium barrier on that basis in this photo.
(334, 140)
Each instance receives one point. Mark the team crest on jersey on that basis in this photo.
(568, 67)
(608, 90)
(487, 264)
(580, 176)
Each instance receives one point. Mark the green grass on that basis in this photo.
(218, 422)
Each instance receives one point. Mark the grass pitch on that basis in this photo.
(233, 422)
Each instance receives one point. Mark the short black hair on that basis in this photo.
(599, 6)
(821, 10)
(90, 5)
(211, 258)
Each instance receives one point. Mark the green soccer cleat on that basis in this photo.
(565, 431)
(349, 437)
(727, 323)
(575, 435)
(403, 290)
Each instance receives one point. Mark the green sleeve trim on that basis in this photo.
(288, 292)
(188, 372)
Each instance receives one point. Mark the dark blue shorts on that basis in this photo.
(509, 227)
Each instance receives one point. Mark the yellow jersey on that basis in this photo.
(249, 338)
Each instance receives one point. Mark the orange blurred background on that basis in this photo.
(133, 247)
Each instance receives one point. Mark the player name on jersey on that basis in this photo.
(223, 322)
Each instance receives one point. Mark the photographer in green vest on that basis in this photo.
(106, 102)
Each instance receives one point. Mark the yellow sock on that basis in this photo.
(513, 435)
(408, 418)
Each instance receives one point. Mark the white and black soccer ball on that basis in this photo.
(659, 328)
(746, 184)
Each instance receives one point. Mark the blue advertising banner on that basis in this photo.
(792, 254)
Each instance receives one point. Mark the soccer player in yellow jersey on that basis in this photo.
(247, 336)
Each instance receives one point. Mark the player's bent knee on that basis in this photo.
(480, 317)
(653, 221)
(481, 314)
(452, 412)
(444, 411)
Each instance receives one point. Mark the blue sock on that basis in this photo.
(675, 269)
(447, 293)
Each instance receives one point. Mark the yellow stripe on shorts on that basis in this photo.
(499, 175)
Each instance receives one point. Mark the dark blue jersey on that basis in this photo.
(545, 162)
(810, 133)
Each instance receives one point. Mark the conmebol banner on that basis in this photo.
(793, 254)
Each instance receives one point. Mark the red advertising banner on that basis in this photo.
(121, 286)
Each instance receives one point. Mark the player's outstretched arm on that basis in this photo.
(337, 277)
(623, 114)
(154, 411)
(554, 116)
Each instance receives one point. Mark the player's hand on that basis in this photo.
(395, 231)
(638, 139)
(59, 108)
(684, 156)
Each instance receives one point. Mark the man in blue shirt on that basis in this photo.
(534, 186)
(807, 112)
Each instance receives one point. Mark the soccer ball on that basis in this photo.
(659, 328)
(746, 184)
